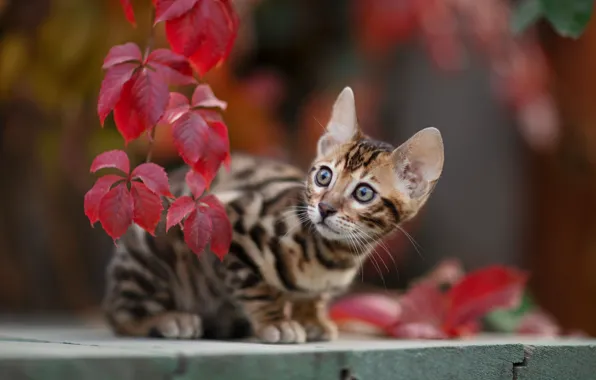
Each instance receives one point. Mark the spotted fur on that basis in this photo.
(287, 259)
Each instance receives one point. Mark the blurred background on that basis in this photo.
(517, 113)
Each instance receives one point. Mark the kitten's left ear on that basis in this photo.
(343, 125)
(418, 162)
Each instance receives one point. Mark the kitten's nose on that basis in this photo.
(325, 209)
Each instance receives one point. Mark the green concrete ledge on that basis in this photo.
(43, 352)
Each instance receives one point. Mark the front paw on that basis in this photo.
(282, 332)
(176, 325)
(320, 330)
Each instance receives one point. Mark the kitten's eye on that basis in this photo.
(364, 193)
(323, 177)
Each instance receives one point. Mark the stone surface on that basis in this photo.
(54, 352)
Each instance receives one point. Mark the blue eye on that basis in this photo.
(323, 177)
(364, 193)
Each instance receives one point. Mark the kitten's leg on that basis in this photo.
(139, 299)
(170, 325)
(267, 310)
(313, 316)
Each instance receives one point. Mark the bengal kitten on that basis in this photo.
(298, 240)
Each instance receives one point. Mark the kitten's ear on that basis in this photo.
(343, 125)
(418, 162)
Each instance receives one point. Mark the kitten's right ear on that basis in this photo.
(343, 125)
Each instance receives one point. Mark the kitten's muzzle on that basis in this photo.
(325, 210)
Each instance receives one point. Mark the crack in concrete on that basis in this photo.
(524, 363)
(181, 367)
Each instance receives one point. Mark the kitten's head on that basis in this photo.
(361, 189)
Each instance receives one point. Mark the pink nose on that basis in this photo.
(325, 209)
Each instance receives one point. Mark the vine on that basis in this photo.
(135, 89)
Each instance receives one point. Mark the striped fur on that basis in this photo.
(285, 263)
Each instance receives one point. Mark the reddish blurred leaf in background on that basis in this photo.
(426, 312)
(128, 12)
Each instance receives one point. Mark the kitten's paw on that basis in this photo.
(175, 325)
(282, 332)
(320, 330)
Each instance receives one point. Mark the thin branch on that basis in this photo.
(151, 38)
(148, 48)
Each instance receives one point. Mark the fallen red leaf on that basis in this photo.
(482, 291)
(538, 322)
(377, 310)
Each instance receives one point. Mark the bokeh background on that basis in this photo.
(517, 114)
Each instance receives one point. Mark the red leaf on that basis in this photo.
(375, 309)
(179, 210)
(142, 103)
(222, 228)
(116, 159)
(210, 44)
(183, 32)
(219, 39)
(482, 291)
(151, 96)
(177, 106)
(147, 207)
(154, 177)
(111, 88)
(123, 53)
(417, 330)
(169, 9)
(128, 11)
(197, 231)
(538, 322)
(209, 115)
(423, 303)
(191, 134)
(128, 120)
(203, 97)
(96, 193)
(116, 211)
(196, 183)
(216, 152)
(174, 69)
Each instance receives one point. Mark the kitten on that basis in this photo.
(298, 240)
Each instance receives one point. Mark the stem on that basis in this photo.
(151, 141)
(148, 47)
(151, 37)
